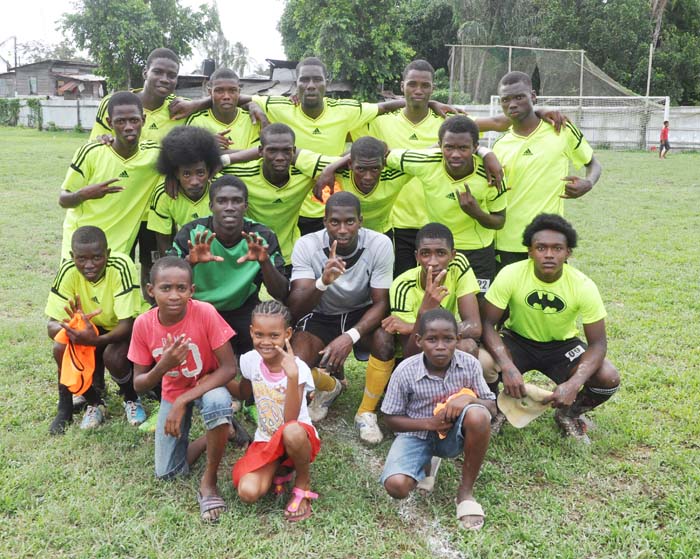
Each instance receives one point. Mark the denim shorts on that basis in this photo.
(409, 454)
(171, 452)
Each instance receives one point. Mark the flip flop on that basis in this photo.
(428, 482)
(299, 494)
(279, 482)
(469, 507)
(209, 503)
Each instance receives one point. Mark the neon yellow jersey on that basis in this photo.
(535, 166)
(117, 293)
(541, 311)
(398, 132)
(278, 207)
(325, 134)
(406, 293)
(164, 211)
(120, 214)
(441, 202)
(377, 204)
(244, 134)
(155, 128)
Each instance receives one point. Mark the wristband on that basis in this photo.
(320, 285)
(225, 159)
(483, 151)
(354, 335)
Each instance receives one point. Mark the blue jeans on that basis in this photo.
(409, 454)
(171, 452)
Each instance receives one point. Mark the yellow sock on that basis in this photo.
(376, 378)
(323, 381)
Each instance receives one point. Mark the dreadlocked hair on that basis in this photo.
(272, 308)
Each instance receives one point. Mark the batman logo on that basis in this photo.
(546, 302)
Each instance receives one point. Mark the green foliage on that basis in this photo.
(429, 25)
(51, 126)
(360, 42)
(119, 34)
(9, 111)
(34, 51)
(217, 47)
(36, 114)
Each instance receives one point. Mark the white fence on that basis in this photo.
(684, 135)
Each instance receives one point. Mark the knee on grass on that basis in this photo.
(249, 489)
(399, 486)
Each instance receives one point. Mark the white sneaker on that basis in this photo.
(369, 430)
(318, 408)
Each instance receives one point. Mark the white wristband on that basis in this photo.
(354, 335)
(225, 159)
(320, 285)
(483, 151)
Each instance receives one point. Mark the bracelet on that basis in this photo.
(483, 151)
(225, 159)
(320, 285)
(354, 335)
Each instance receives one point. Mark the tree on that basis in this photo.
(359, 41)
(119, 34)
(429, 25)
(34, 51)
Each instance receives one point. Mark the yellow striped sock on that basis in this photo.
(376, 378)
(323, 381)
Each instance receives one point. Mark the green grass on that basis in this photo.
(634, 493)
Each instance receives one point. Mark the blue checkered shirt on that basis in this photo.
(414, 392)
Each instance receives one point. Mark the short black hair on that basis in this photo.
(665, 121)
(168, 262)
(343, 199)
(223, 74)
(312, 61)
(123, 98)
(162, 53)
(459, 124)
(433, 315)
(551, 222)
(516, 77)
(421, 66)
(368, 147)
(228, 180)
(435, 231)
(187, 145)
(87, 235)
(275, 128)
(272, 308)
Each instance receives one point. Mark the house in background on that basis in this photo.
(53, 78)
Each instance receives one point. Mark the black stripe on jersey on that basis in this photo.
(66, 267)
(481, 171)
(401, 293)
(331, 102)
(345, 173)
(121, 265)
(422, 157)
(576, 132)
(148, 144)
(72, 166)
(241, 171)
(82, 154)
(321, 164)
(158, 193)
(277, 101)
(195, 115)
(390, 174)
(102, 113)
(461, 263)
(293, 171)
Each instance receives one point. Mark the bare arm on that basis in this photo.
(576, 186)
(164, 243)
(512, 377)
(471, 207)
(95, 191)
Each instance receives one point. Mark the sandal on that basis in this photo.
(279, 483)
(298, 495)
(209, 503)
(469, 507)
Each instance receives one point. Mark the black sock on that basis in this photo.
(92, 396)
(589, 398)
(493, 386)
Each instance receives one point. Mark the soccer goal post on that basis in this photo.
(608, 122)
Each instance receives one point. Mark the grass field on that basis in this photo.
(635, 492)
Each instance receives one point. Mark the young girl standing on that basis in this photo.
(285, 441)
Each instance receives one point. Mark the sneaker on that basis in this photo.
(572, 426)
(428, 482)
(318, 408)
(149, 426)
(93, 418)
(497, 422)
(79, 402)
(236, 405)
(369, 430)
(135, 414)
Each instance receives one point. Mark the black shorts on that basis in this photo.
(665, 145)
(148, 247)
(239, 320)
(556, 360)
(404, 250)
(309, 224)
(483, 262)
(327, 327)
(503, 258)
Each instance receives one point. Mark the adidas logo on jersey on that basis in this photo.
(124, 175)
(153, 126)
(95, 299)
(528, 152)
(316, 131)
(451, 196)
(278, 201)
(413, 137)
(195, 215)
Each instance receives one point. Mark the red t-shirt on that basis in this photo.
(207, 332)
(664, 134)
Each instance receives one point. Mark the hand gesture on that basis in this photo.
(99, 190)
(289, 363)
(467, 202)
(576, 187)
(335, 353)
(494, 171)
(200, 251)
(442, 109)
(106, 139)
(563, 396)
(222, 139)
(324, 187)
(395, 325)
(85, 336)
(257, 115)
(180, 108)
(334, 268)
(257, 249)
(513, 384)
(435, 292)
(175, 351)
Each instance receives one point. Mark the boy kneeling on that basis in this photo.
(184, 343)
(439, 374)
